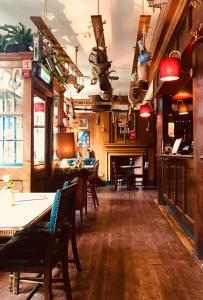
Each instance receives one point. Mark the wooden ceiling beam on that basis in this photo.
(98, 29)
(143, 27)
(46, 32)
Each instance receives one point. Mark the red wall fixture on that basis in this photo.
(170, 68)
(145, 110)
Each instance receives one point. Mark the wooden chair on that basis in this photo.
(118, 176)
(144, 176)
(40, 249)
(92, 183)
(81, 193)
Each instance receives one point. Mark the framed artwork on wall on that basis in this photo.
(83, 123)
(83, 138)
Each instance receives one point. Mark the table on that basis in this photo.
(28, 209)
(131, 180)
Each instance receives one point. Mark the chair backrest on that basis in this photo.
(63, 207)
(115, 169)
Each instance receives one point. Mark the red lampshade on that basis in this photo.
(145, 110)
(182, 108)
(169, 69)
(182, 95)
(65, 145)
(39, 106)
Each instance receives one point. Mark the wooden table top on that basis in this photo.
(27, 210)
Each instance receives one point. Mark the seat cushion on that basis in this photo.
(25, 252)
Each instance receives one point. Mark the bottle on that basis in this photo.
(11, 197)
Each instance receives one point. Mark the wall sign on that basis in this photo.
(44, 74)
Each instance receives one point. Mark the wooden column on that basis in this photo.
(198, 144)
(159, 126)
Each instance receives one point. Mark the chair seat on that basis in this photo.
(27, 251)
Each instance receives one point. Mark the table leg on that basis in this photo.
(11, 282)
(14, 282)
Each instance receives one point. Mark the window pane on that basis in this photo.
(39, 145)
(11, 137)
(39, 112)
(11, 90)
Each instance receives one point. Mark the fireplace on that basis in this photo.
(122, 154)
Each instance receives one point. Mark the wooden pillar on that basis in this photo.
(198, 144)
(159, 126)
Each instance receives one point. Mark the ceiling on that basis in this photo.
(70, 21)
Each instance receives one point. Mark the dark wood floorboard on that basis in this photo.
(128, 251)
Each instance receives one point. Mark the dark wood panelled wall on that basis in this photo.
(180, 177)
(198, 149)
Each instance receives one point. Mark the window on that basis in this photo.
(11, 117)
(39, 131)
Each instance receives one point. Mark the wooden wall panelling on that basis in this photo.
(176, 186)
(180, 191)
(27, 133)
(165, 181)
(191, 195)
(172, 183)
(198, 144)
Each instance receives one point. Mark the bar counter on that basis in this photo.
(176, 185)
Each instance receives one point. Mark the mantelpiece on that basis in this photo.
(122, 150)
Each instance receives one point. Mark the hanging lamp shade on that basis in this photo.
(183, 94)
(145, 110)
(39, 107)
(182, 108)
(170, 67)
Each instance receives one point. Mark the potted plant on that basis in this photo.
(3, 42)
(18, 38)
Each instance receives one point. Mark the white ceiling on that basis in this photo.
(70, 21)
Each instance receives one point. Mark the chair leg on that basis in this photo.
(48, 284)
(81, 215)
(93, 197)
(75, 252)
(66, 279)
(115, 184)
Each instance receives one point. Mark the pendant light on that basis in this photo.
(145, 110)
(182, 108)
(170, 68)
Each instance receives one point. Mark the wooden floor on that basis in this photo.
(128, 251)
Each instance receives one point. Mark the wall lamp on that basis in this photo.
(182, 108)
(170, 67)
(145, 110)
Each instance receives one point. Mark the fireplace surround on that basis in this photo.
(122, 153)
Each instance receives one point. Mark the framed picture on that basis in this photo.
(83, 123)
(83, 138)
